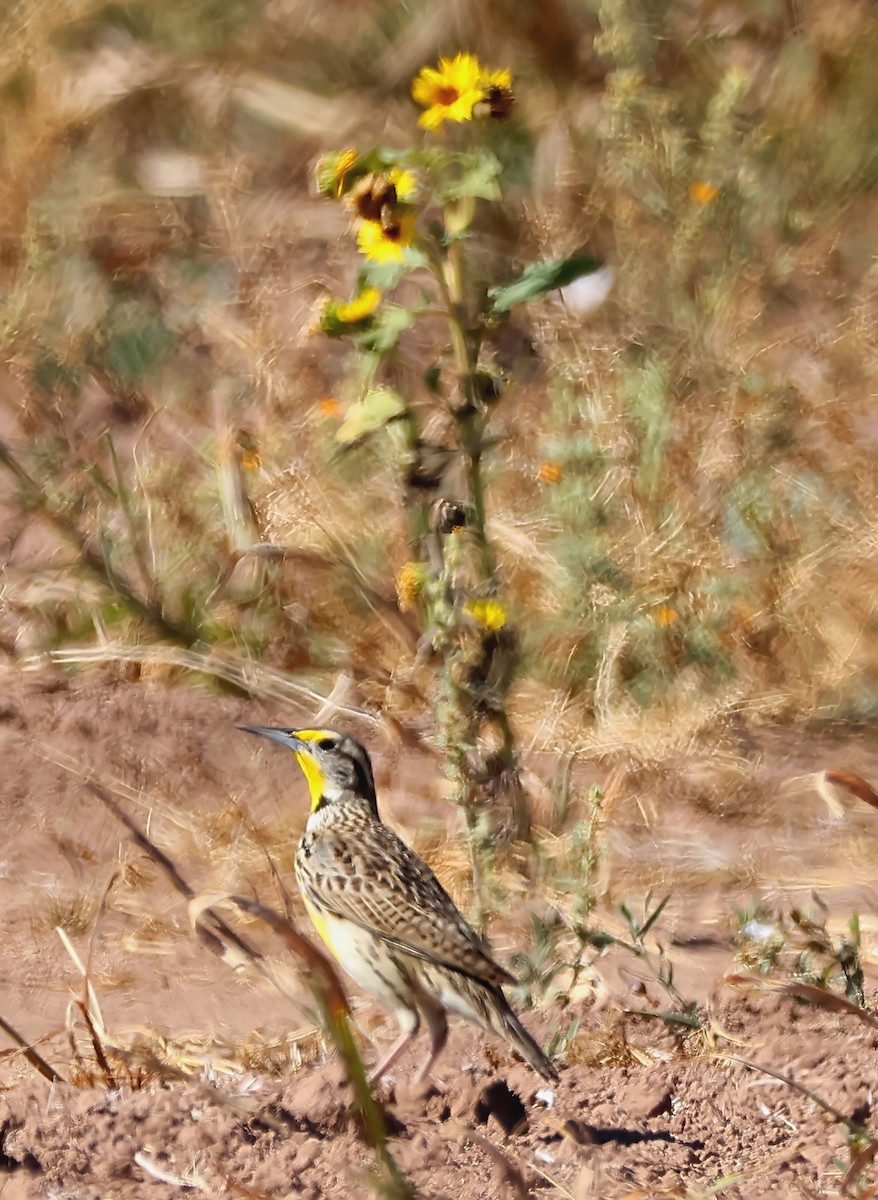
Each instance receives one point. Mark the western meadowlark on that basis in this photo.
(382, 912)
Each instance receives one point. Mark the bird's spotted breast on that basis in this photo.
(368, 962)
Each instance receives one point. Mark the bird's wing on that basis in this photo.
(382, 885)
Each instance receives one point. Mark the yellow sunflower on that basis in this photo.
(385, 242)
(451, 92)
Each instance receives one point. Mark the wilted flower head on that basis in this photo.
(497, 99)
(409, 585)
(333, 171)
(385, 240)
(377, 194)
(349, 316)
(248, 451)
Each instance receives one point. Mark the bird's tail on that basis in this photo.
(506, 1023)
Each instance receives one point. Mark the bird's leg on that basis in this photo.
(410, 1023)
(437, 1025)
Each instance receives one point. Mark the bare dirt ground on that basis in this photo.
(258, 1107)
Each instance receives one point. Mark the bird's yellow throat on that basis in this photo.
(310, 767)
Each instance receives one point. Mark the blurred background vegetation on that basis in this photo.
(682, 488)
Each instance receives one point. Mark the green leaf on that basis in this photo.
(540, 277)
(52, 375)
(479, 182)
(390, 322)
(378, 407)
(386, 275)
(130, 354)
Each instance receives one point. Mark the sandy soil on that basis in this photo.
(261, 1109)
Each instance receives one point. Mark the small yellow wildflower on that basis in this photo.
(666, 616)
(551, 472)
(451, 92)
(703, 193)
(385, 242)
(330, 408)
(490, 614)
(409, 585)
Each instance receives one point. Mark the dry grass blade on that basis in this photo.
(326, 987)
(90, 1000)
(828, 1000)
(855, 784)
(860, 1161)
(140, 1058)
(100, 1056)
(35, 1060)
(243, 673)
(320, 970)
(806, 991)
(853, 1127)
(512, 1182)
(213, 941)
(150, 1168)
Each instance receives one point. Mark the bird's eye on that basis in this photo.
(326, 744)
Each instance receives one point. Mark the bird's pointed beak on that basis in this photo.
(311, 768)
(284, 736)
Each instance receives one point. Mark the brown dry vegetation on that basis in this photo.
(680, 492)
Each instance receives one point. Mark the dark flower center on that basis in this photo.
(447, 95)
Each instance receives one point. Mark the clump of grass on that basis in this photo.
(74, 912)
(799, 946)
